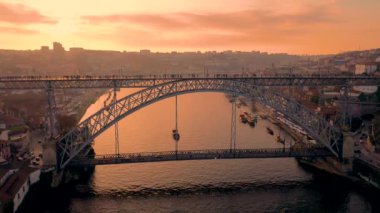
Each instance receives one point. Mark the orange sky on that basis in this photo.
(293, 26)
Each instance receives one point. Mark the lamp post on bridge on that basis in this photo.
(233, 125)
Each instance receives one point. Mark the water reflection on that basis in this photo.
(240, 185)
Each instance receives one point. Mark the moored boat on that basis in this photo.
(270, 131)
(243, 118)
(251, 122)
(280, 140)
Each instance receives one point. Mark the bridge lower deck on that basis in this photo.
(200, 155)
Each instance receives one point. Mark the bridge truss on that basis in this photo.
(74, 142)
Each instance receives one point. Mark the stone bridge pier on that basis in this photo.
(348, 152)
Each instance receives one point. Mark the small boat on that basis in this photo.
(251, 122)
(270, 131)
(243, 118)
(280, 140)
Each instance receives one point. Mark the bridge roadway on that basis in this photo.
(82, 82)
(201, 155)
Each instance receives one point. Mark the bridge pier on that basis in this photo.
(347, 152)
(57, 177)
(52, 110)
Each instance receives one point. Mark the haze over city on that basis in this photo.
(291, 26)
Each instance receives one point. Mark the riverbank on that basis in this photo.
(329, 165)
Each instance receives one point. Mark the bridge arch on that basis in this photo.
(75, 141)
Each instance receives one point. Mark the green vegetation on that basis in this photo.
(18, 129)
(67, 122)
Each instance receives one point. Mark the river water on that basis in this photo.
(241, 185)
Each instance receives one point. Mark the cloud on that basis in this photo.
(21, 14)
(195, 30)
(235, 21)
(322, 27)
(15, 30)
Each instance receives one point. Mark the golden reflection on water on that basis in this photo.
(204, 123)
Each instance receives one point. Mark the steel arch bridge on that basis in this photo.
(74, 143)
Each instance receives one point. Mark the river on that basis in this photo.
(241, 185)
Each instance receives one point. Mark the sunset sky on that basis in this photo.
(293, 26)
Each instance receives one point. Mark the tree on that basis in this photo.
(67, 122)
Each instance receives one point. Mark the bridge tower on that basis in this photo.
(52, 107)
(345, 118)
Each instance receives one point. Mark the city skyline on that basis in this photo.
(291, 26)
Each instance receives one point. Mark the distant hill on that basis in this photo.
(92, 62)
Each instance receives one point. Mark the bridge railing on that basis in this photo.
(175, 76)
(214, 152)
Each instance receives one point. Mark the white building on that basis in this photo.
(367, 68)
(366, 89)
(28, 180)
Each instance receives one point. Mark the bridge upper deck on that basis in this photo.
(111, 81)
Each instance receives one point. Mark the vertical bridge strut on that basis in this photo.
(176, 135)
(233, 124)
(117, 149)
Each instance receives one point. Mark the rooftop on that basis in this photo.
(368, 63)
(14, 183)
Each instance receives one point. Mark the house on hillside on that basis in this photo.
(366, 68)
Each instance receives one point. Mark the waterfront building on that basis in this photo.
(16, 185)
